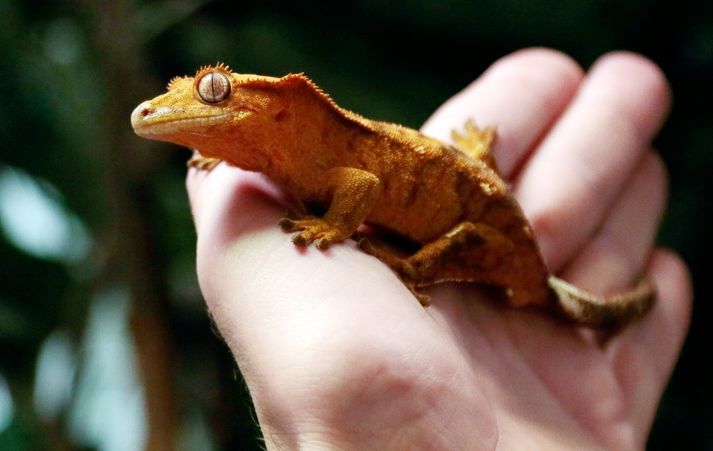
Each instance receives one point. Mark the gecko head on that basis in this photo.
(210, 111)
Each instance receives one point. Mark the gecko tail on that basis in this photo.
(602, 311)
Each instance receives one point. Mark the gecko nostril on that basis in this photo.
(142, 114)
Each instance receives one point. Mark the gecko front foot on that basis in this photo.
(316, 230)
(200, 162)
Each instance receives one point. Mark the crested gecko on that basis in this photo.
(448, 200)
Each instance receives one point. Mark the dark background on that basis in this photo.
(115, 293)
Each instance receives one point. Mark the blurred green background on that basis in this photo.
(102, 325)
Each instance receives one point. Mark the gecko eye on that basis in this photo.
(214, 87)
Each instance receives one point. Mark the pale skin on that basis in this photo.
(337, 353)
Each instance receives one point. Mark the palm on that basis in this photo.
(386, 373)
(538, 373)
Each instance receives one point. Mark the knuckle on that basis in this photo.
(635, 86)
(545, 60)
(638, 67)
(539, 68)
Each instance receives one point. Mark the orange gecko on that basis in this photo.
(448, 200)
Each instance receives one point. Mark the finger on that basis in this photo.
(578, 170)
(522, 94)
(644, 353)
(613, 258)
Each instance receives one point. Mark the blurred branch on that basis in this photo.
(133, 258)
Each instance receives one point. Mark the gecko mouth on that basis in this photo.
(165, 126)
(148, 121)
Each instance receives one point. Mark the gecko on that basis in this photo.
(447, 201)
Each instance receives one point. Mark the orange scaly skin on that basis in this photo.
(449, 200)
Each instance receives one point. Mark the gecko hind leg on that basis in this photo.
(469, 253)
(198, 161)
(396, 262)
(475, 143)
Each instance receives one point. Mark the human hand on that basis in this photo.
(337, 353)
